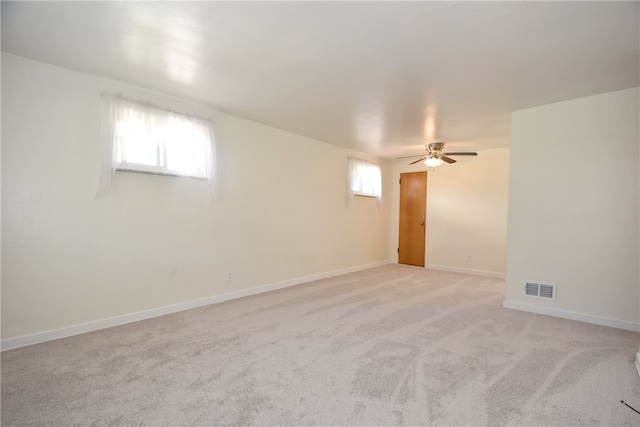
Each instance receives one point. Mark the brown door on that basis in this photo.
(413, 207)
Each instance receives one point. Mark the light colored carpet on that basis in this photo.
(394, 345)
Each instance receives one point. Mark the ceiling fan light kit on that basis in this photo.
(436, 157)
(433, 162)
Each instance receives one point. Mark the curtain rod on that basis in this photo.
(105, 94)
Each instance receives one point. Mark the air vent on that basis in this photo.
(540, 290)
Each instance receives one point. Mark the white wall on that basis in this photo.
(466, 212)
(573, 208)
(154, 241)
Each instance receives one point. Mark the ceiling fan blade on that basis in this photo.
(462, 153)
(419, 160)
(446, 159)
(409, 157)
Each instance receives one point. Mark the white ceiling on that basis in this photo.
(379, 77)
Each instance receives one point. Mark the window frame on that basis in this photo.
(124, 166)
(167, 128)
(161, 139)
(355, 165)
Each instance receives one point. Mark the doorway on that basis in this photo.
(413, 209)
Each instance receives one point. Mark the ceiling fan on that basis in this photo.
(435, 156)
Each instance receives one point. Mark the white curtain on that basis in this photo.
(363, 178)
(120, 114)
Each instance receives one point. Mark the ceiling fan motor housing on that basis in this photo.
(435, 146)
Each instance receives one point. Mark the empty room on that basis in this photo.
(320, 213)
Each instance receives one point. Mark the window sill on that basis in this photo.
(163, 173)
(366, 195)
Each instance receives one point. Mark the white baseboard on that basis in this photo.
(39, 337)
(484, 273)
(638, 362)
(588, 318)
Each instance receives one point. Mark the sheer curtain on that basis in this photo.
(121, 116)
(363, 178)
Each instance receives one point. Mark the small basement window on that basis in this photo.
(139, 137)
(152, 140)
(365, 178)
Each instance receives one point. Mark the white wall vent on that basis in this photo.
(540, 290)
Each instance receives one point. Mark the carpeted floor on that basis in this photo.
(393, 345)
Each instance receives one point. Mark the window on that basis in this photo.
(148, 139)
(365, 178)
(142, 138)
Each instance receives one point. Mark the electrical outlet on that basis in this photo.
(468, 258)
(229, 277)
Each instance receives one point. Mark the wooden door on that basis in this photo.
(413, 208)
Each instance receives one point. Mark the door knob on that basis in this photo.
(422, 223)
